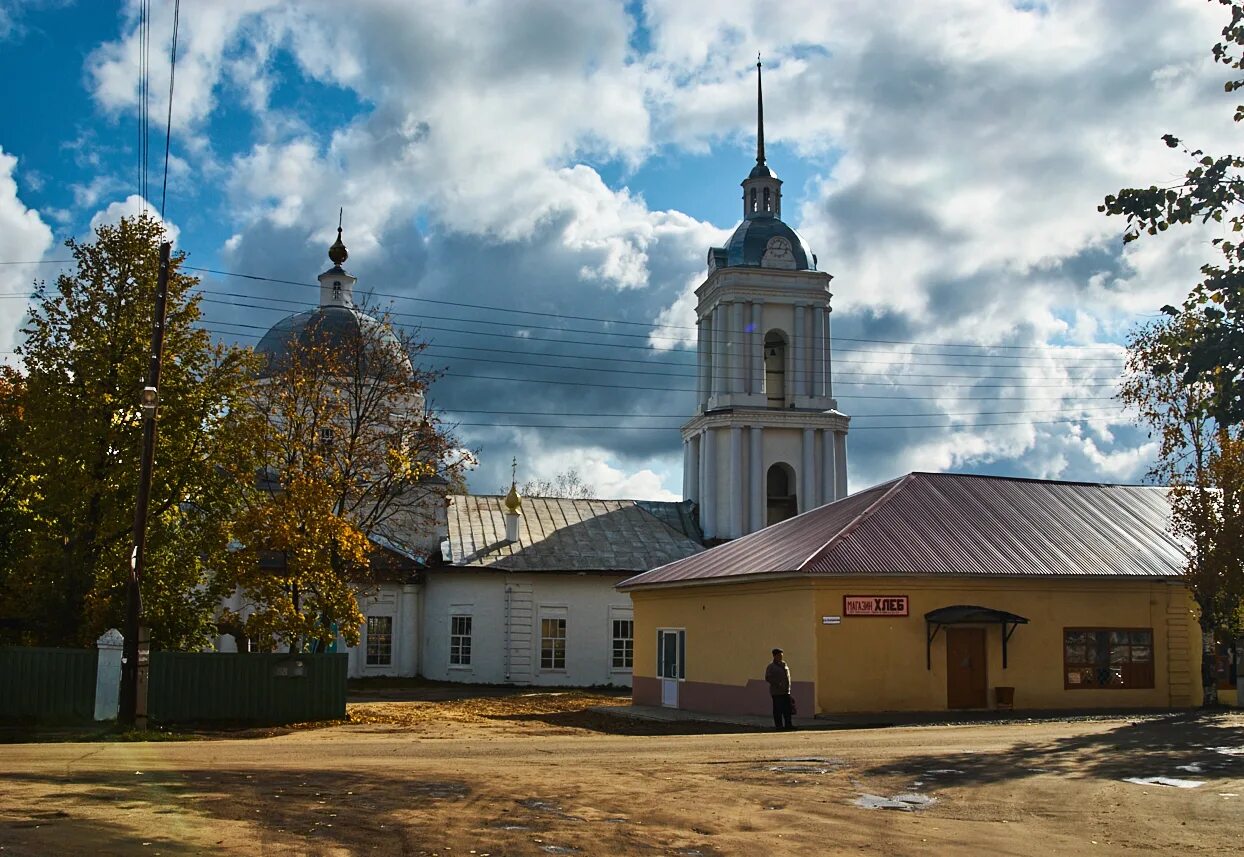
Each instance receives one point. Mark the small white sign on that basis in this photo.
(831, 620)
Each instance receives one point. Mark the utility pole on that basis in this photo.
(134, 663)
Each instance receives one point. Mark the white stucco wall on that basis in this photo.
(587, 601)
(399, 601)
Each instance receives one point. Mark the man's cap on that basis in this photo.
(777, 651)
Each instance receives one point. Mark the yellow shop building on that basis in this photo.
(931, 592)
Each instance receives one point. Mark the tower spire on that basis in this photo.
(760, 116)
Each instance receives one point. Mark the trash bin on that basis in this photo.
(1004, 697)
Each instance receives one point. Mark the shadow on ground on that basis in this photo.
(609, 724)
(300, 813)
(1193, 745)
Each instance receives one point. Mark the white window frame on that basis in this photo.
(554, 615)
(367, 640)
(469, 637)
(616, 616)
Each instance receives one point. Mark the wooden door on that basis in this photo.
(965, 668)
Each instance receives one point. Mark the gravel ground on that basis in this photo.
(536, 773)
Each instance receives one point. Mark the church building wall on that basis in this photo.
(506, 612)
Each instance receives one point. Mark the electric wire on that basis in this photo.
(168, 127)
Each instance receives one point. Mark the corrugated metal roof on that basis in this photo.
(956, 524)
(568, 535)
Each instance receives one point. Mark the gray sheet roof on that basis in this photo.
(570, 535)
(954, 524)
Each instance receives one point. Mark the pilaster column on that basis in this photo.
(818, 351)
(756, 485)
(691, 482)
(758, 348)
(840, 463)
(828, 487)
(686, 468)
(708, 494)
(704, 359)
(799, 349)
(737, 483)
(807, 491)
(719, 350)
(829, 354)
(737, 347)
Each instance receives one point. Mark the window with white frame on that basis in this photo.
(623, 644)
(379, 641)
(553, 643)
(459, 641)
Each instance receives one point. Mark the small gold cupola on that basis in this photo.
(513, 505)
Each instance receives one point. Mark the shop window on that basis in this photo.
(552, 644)
(1107, 658)
(623, 644)
(459, 641)
(379, 641)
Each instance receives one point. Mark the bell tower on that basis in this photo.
(767, 440)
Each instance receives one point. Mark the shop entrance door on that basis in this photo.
(965, 668)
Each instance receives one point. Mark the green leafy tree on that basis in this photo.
(14, 506)
(1212, 191)
(85, 359)
(352, 457)
(1201, 460)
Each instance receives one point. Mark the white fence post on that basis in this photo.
(108, 675)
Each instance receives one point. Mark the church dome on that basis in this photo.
(335, 323)
(335, 326)
(767, 242)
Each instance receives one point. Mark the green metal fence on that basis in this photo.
(246, 687)
(48, 685)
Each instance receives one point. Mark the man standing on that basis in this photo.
(777, 674)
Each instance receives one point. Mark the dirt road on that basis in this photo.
(539, 775)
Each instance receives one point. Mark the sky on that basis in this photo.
(533, 185)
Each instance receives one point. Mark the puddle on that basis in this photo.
(1229, 751)
(559, 849)
(512, 827)
(1192, 769)
(944, 771)
(798, 769)
(1164, 781)
(820, 759)
(542, 805)
(902, 803)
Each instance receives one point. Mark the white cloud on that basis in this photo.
(24, 237)
(965, 147)
(132, 206)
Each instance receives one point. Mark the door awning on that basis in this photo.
(968, 614)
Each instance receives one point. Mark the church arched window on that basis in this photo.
(782, 501)
(753, 205)
(768, 202)
(775, 369)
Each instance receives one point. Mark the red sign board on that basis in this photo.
(874, 605)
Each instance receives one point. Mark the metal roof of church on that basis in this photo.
(570, 535)
(746, 247)
(955, 525)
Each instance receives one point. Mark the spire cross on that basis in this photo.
(514, 470)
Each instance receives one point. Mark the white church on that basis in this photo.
(520, 590)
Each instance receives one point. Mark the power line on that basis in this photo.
(890, 384)
(168, 127)
(649, 325)
(1050, 348)
(853, 428)
(1039, 361)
